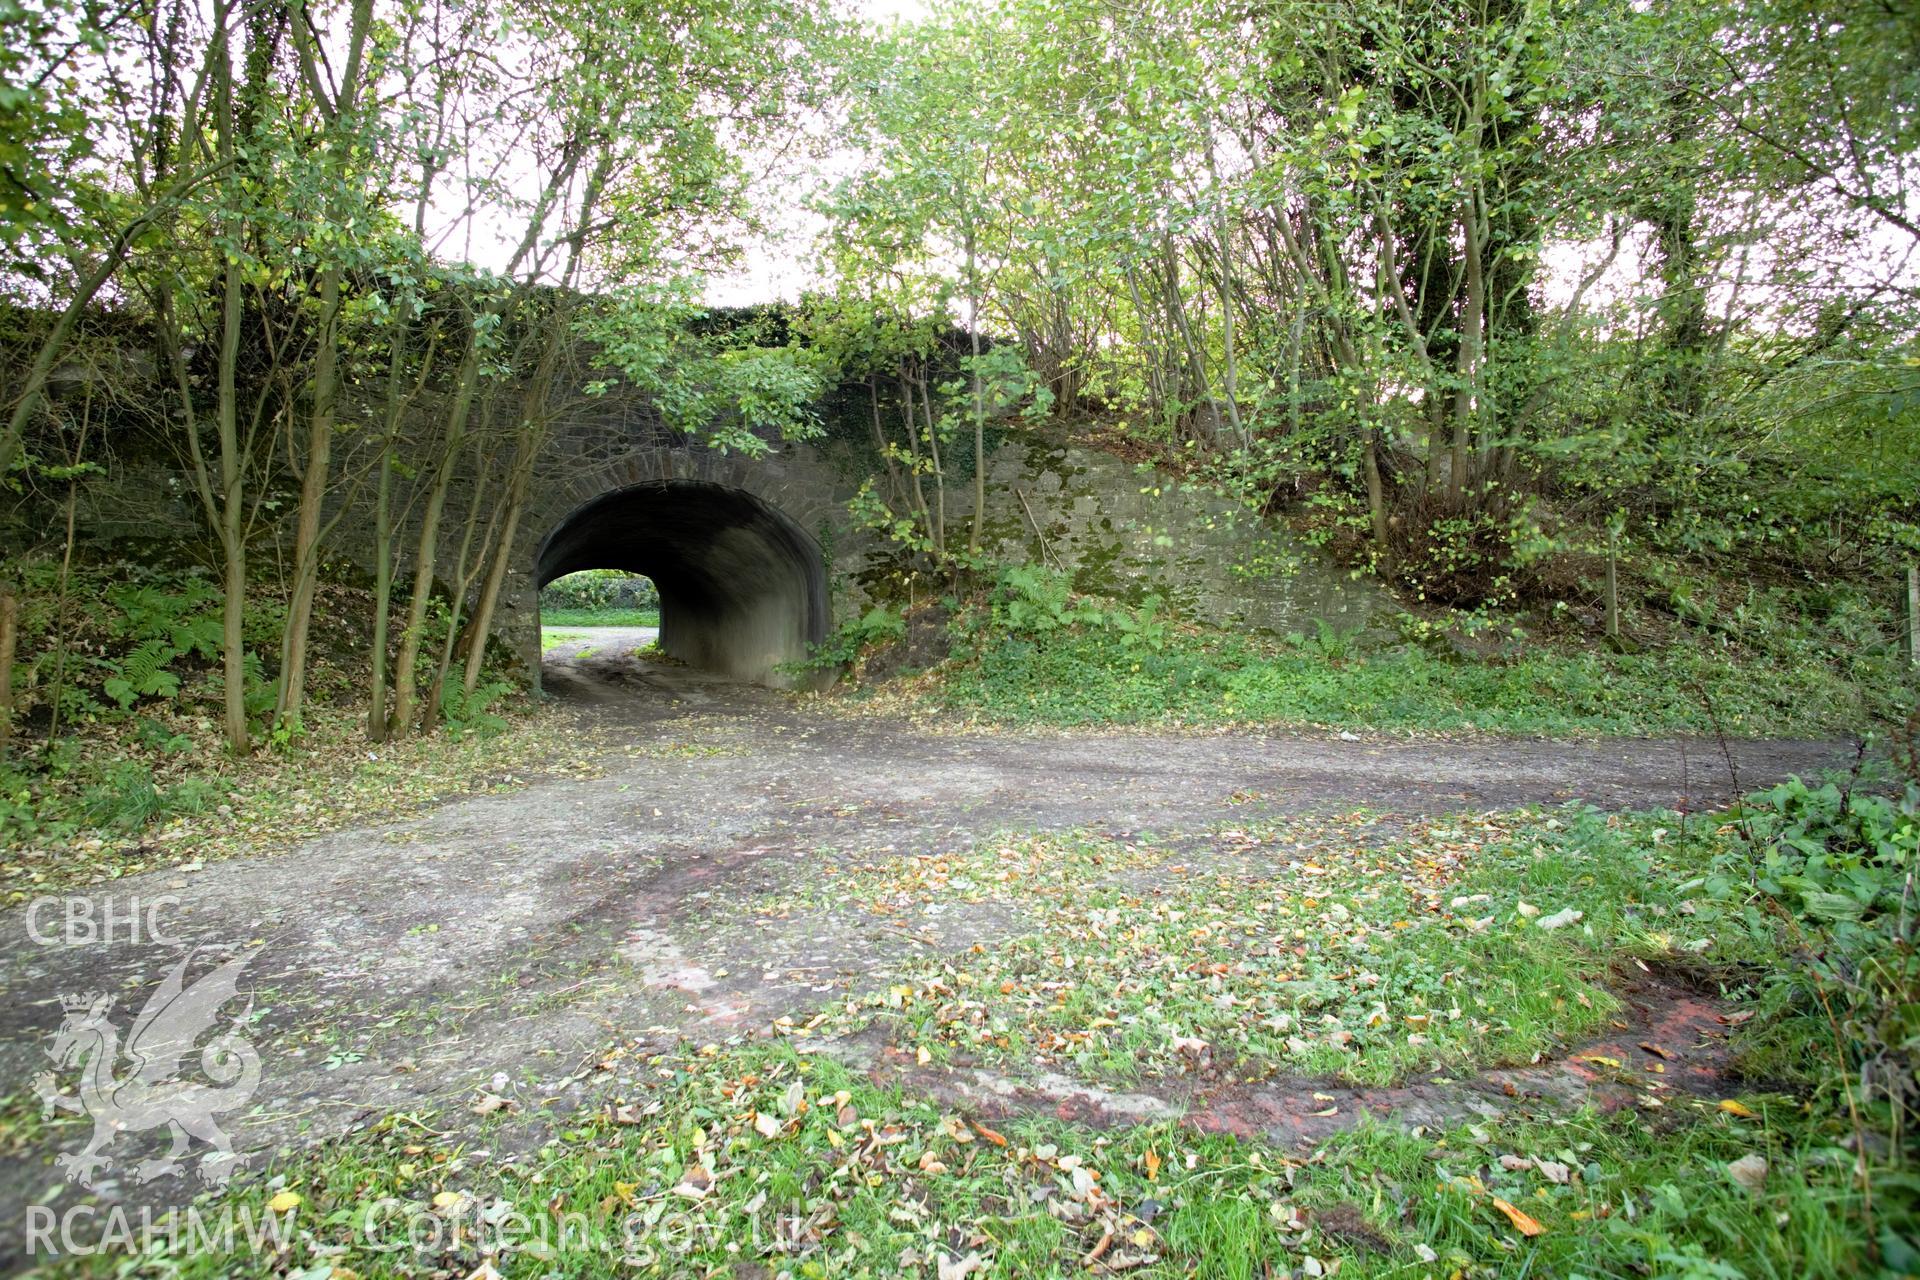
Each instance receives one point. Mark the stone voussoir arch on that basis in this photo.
(737, 545)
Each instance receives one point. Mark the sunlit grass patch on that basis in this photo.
(600, 617)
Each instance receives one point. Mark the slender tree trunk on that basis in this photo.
(474, 641)
(895, 490)
(1376, 495)
(426, 553)
(938, 524)
(1466, 398)
(313, 494)
(1612, 601)
(1230, 367)
(339, 111)
(399, 397)
(1196, 366)
(233, 545)
(979, 403)
(462, 582)
(57, 686)
(9, 637)
(482, 620)
(911, 415)
(1913, 614)
(382, 594)
(1157, 394)
(425, 559)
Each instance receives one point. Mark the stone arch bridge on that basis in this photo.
(748, 553)
(757, 558)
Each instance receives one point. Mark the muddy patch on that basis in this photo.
(1668, 1041)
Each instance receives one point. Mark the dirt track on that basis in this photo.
(504, 938)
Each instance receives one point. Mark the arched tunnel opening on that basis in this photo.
(743, 589)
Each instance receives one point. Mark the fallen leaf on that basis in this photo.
(1093, 1256)
(1734, 1108)
(996, 1138)
(1750, 1171)
(1525, 1225)
(766, 1124)
(952, 1270)
(284, 1201)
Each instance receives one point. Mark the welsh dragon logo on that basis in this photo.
(151, 1094)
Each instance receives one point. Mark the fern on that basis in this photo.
(143, 674)
(199, 634)
(472, 713)
(152, 613)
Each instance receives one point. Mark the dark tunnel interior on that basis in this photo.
(743, 589)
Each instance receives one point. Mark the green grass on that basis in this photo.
(1356, 969)
(1303, 947)
(772, 1157)
(599, 617)
(1090, 677)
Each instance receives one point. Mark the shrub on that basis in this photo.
(1832, 870)
(596, 590)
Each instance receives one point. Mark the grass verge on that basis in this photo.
(1033, 653)
(327, 780)
(1212, 679)
(768, 1161)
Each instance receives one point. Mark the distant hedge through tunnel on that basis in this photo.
(743, 589)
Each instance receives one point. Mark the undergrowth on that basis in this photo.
(1034, 653)
(117, 745)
